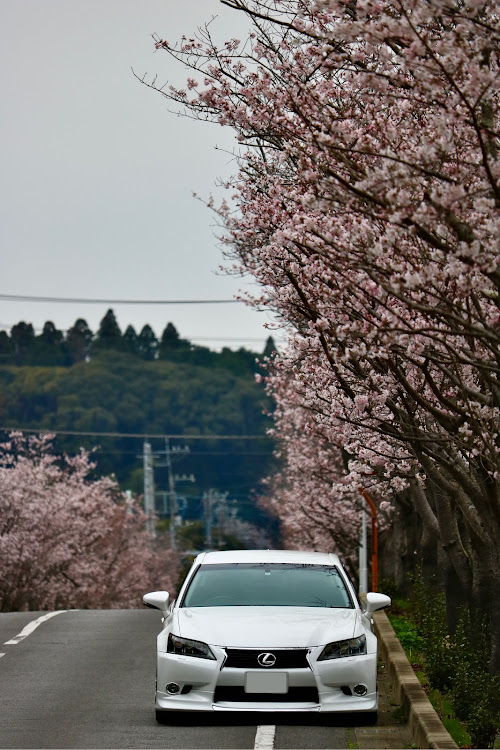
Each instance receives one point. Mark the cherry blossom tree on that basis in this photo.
(68, 540)
(318, 503)
(367, 208)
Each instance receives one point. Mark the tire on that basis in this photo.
(162, 717)
(369, 718)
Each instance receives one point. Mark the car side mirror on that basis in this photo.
(157, 600)
(376, 601)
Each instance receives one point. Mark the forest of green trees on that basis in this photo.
(53, 348)
(133, 385)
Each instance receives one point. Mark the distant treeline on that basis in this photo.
(54, 348)
(120, 385)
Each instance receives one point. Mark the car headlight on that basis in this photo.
(187, 647)
(338, 649)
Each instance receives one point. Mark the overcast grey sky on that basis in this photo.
(97, 176)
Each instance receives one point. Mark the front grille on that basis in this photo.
(290, 658)
(238, 695)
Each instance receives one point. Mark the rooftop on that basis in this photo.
(269, 555)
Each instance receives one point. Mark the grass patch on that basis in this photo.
(408, 635)
(351, 743)
(413, 644)
(398, 715)
(446, 713)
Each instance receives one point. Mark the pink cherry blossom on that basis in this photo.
(68, 540)
(366, 206)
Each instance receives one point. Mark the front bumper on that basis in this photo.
(207, 685)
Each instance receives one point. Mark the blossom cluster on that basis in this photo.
(367, 208)
(68, 540)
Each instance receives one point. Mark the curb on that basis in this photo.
(425, 725)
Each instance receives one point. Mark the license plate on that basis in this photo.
(270, 682)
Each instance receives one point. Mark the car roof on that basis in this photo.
(267, 555)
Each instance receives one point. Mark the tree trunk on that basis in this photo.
(495, 619)
(455, 596)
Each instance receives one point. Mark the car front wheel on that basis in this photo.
(162, 717)
(368, 719)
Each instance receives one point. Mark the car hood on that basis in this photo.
(265, 627)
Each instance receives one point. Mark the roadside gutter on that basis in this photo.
(425, 726)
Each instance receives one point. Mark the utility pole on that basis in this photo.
(172, 479)
(129, 501)
(208, 504)
(171, 494)
(149, 489)
(214, 501)
(221, 515)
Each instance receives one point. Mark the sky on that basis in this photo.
(96, 195)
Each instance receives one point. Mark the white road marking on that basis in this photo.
(264, 739)
(1, 655)
(31, 626)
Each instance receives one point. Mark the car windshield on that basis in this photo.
(267, 585)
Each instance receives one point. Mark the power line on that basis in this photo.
(103, 452)
(224, 338)
(136, 435)
(92, 301)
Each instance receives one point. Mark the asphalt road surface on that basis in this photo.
(85, 679)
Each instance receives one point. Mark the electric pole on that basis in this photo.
(214, 501)
(172, 478)
(149, 489)
(208, 503)
(221, 515)
(171, 494)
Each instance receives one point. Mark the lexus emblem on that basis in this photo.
(266, 659)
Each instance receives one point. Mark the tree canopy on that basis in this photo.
(367, 208)
(132, 389)
(67, 540)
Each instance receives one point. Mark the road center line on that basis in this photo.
(31, 626)
(264, 739)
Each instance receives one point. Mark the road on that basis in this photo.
(85, 679)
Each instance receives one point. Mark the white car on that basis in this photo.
(266, 630)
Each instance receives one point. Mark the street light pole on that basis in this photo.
(363, 557)
(373, 510)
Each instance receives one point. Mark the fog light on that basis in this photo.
(173, 688)
(360, 690)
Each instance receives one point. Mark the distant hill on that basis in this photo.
(170, 388)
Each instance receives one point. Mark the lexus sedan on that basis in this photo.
(266, 630)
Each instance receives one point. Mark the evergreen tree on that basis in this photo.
(78, 341)
(130, 340)
(147, 344)
(23, 339)
(109, 335)
(170, 336)
(171, 345)
(50, 335)
(49, 349)
(270, 348)
(6, 348)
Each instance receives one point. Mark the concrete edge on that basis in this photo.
(425, 726)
